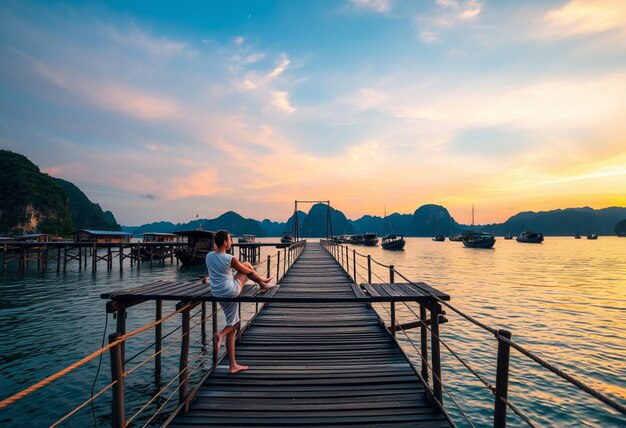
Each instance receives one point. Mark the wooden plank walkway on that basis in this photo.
(330, 364)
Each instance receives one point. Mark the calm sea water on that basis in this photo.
(565, 300)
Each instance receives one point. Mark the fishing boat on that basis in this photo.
(391, 241)
(370, 239)
(356, 240)
(592, 236)
(286, 238)
(439, 237)
(457, 238)
(508, 236)
(199, 244)
(473, 239)
(528, 237)
(577, 236)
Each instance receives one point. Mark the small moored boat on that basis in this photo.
(286, 238)
(439, 237)
(199, 244)
(508, 236)
(393, 242)
(246, 239)
(528, 237)
(356, 240)
(370, 239)
(478, 240)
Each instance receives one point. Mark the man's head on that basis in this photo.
(222, 238)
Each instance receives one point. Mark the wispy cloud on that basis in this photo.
(378, 6)
(448, 14)
(579, 18)
(280, 100)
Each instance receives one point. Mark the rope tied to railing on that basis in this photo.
(18, 396)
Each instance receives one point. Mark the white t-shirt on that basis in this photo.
(221, 275)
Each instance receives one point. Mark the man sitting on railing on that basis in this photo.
(224, 284)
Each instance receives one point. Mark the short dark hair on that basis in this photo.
(221, 237)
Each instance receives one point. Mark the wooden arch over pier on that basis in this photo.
(296, 225)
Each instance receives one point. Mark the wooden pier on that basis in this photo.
(318, 354)
(89, 255)
(315, 364)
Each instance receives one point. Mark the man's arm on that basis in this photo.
(236, 264)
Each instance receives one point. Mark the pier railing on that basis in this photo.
(359, 268)
(276, 265)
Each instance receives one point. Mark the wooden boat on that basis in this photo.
(286, 238)
(439, 237)
(199, 244)
(592, 236)
(370, 239)
(393, 242)
(478, 240)
(456, 238)
(508, 236)
(356, 240)
(473, 239)
(528, 237)
(246, 239)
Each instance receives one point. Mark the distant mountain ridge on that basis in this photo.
(426, 221)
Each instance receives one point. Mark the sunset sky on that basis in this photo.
(168, 110)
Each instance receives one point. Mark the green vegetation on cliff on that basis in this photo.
(30, 201)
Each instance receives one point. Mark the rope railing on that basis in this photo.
(458, 406)
(341, 253)
(18, 396)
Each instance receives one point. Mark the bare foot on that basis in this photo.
(267, 285)
(237, 368)
(217, 341)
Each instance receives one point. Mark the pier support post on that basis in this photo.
(369, 269)
(121, 257)
(184, 359)
(117, 374)
(203, 324)
(435, 310)
(392, 279)
(158, 339)
(354, 266)
(214, 326)
(94, 258)
(502, 380)
(424, 342)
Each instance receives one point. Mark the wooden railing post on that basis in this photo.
(203, 323)
(285, 263)
(277, 266)
(502, 380)
(392, 276)
(424, 342)
(354, 266)
(184, 358)
(158, 333)
(435, 310)
(369, 269)
(214, 327)
(117, 374)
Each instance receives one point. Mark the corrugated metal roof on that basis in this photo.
(104, 232)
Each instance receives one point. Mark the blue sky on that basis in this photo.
(161, 111)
